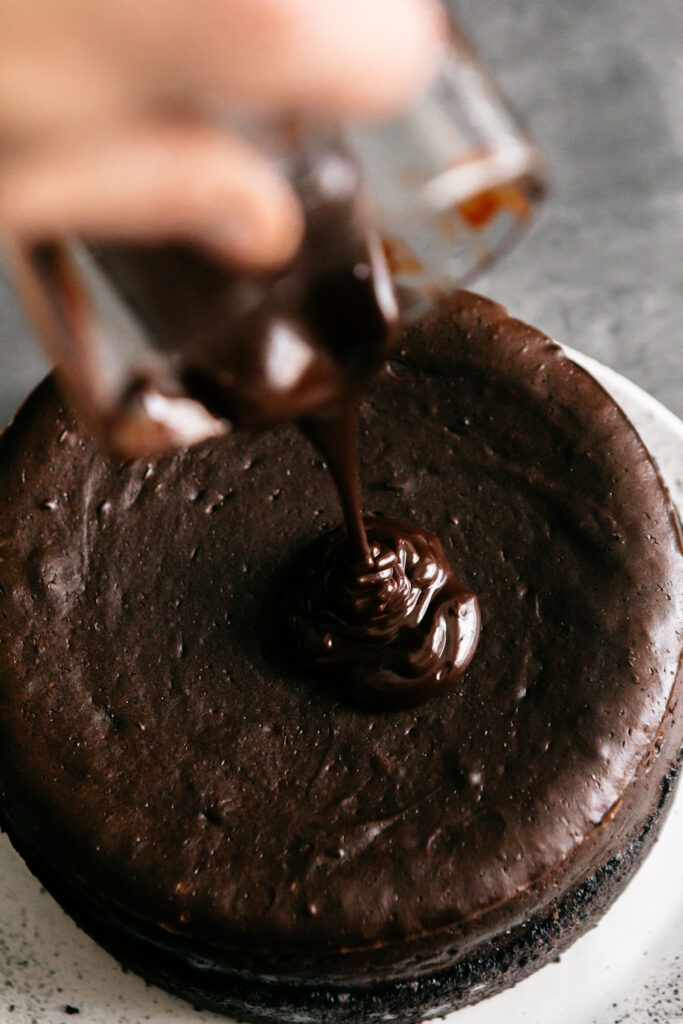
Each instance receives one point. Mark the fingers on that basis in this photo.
(334, 57)
(71, 64)
(350, 57)
(155, 182)
(94, 72)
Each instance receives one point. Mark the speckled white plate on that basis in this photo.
(626, 969)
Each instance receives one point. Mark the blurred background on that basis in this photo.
(600, 85)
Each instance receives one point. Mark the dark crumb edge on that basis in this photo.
(494, 966)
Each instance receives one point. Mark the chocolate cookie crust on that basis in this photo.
(155, 742)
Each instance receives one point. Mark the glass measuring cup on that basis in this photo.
(420, 203)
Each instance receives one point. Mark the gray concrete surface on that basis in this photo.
(600, 83)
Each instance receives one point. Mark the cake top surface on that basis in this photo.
(154, 738)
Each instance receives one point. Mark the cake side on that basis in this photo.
(483, 972)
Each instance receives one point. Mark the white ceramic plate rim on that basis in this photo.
(620, 971)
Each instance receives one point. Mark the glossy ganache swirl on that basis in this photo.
(392, 629)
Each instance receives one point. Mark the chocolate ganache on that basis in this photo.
(384, 615)
(394, 629)
(374, 604)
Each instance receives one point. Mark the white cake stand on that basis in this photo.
(627, 969)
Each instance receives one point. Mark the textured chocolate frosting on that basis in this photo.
(181, 777)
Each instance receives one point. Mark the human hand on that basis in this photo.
(108, 110)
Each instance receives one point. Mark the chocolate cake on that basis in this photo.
(243, 832)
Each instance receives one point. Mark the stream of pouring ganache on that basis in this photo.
(373, 604)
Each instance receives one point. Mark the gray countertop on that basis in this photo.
(600, 83)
